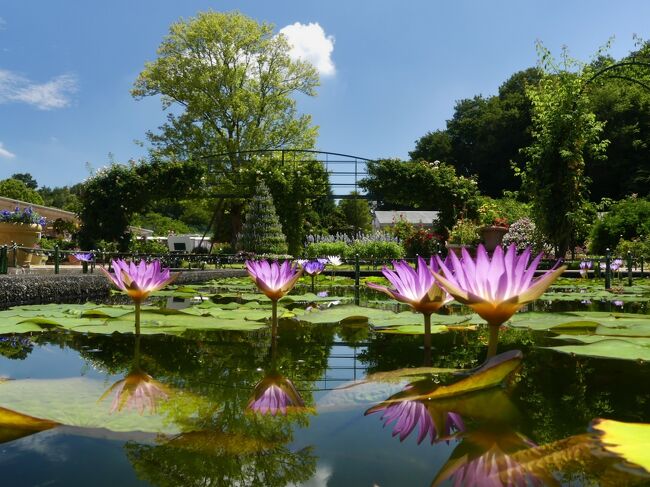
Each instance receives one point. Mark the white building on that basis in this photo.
(385, 219)
(187, 243)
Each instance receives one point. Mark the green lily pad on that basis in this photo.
(608, 348)
(75, 402)
(580, 321)
(413, 329)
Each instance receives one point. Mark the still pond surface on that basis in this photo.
(213, 408)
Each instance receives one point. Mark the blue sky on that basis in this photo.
(394, 73)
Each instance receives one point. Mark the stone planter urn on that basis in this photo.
(22, 234)
(492, 236)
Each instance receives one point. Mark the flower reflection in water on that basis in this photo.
(494, 468)
(406, 415)
(490, 458)
(137, 391)
(275, 394)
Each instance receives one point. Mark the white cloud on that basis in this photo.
(5, 153)
(2, 23)
(45, 96)
(310, 43)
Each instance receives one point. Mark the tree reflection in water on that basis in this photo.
(222, 442)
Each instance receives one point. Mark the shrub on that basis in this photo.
(464, 232)
(142, 246)
(637, 247)
(377, 250)
(523, 233)
(423, 242)
(262, 231)
(323, 249)
(378, 246)
(627, 219)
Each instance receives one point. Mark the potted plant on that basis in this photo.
(463, 234)
(492, 234)
(22, 228)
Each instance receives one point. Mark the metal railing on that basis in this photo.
(606, 266)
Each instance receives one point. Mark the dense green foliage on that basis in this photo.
(26, 178)
(397, 184)
(564, 130)
(486, 134)
(356, 213)
(628, 219)
(160, 224)
(112, 196)
(64, 197)
(18, 190)
(262, 231)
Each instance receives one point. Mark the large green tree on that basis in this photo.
(564, 131)
(485, 135)
(232, 84)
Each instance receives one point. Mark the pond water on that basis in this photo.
(70, 411)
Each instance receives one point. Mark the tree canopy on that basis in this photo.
(397, 184)
(232, 85)
(233, 81)
(18, 190)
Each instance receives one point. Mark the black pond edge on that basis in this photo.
(17, 290)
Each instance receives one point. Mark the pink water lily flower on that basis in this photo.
(83, 256)
(139, 280)
(314, 267)
(273, 279)
(496, 287)
(275, 394)
(415, 287)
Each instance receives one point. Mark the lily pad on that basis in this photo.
(608, 348)
(14, 425)
(74, 402)
(629, 441)
(490, 374)
(412, 329)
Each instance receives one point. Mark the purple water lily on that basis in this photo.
(137, 391)
(314, 267)
(415, 287)
(139, 280)
(585, 266)
(494, 469)
(616, 265)
(275, 394)
(495, 287)
(83, 256)
(273, 279)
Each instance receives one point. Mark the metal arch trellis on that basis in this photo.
(344, 172)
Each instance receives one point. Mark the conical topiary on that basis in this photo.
(262, 232)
